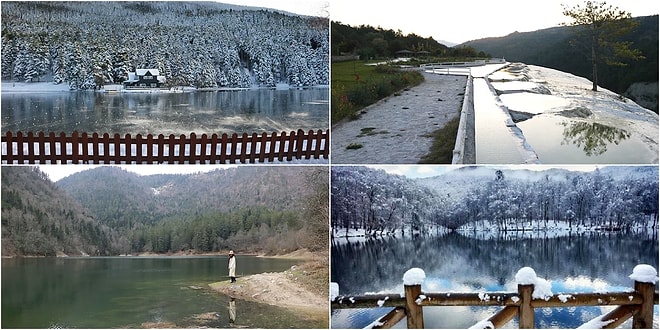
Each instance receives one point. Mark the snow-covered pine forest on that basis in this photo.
(613, 198)
(198, 44)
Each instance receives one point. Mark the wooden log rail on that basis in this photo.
(84, 148)
(637, 304)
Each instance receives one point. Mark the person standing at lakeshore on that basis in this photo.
(232, 266)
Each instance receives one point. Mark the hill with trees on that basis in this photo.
(260, 209)
(375, 201)
(375, 42)
(39, 218)
(552, 48)
(200, 44)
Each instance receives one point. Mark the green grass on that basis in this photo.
(444, 139)
(355, 85)
(368, 131)
(354, 146)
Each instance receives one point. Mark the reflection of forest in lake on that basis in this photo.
(379, 264)
(560, 140)
(454, 263)
(593, 138)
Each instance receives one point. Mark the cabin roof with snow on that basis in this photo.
(146, 72)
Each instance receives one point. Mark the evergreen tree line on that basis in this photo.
(376, 201)
(89, 44)
(370, 42)
(253, 229)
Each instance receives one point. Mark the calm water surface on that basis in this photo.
(455, 263)
(241, 111)
(126, 292)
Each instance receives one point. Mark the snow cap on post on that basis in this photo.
(526, 276)
(414, 276)
(644, 273)
(542, 287)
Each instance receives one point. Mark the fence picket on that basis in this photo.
(19, 143)
(253, 147)
(106, 149)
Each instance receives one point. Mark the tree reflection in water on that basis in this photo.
(593, 138)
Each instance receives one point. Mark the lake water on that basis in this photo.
(128, 292)
(457, 263)
(236, 111)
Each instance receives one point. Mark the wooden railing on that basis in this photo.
(84, 148)
(637, 304)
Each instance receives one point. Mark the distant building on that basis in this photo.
(145, 78)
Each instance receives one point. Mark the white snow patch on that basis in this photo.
(420, 299)
(374, 324)
(644, 273)
(630, 298)
(515, 299)
(352, 300)
(414, 276)
(485, 324)
(525, 276)
(542, 287)
(484, 296)
(382, 302)
(334, 291)
(564, 297)
(596, 323)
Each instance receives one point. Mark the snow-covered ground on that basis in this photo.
(34, 87)
(489, 230)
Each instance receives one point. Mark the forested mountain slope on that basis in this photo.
(201, 44)
(551, 48)
(266, 208)
(124, 199)
(38, 218)
(111, 211)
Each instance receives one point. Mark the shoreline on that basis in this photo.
(11, 87)
(284, 289)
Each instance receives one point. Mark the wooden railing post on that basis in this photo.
(415, 316)
(644, 319)
(525, 311)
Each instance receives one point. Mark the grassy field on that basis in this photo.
(355, 85)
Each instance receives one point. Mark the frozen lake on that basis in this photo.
(239, 111)
(587, 262)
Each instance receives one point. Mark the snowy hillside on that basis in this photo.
(200, 44)
(457, 184)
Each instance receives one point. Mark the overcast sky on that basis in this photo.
(57, 172)
(464, 20)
